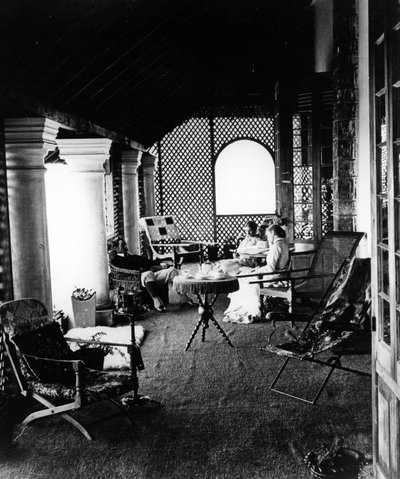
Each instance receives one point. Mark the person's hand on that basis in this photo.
(164, 265)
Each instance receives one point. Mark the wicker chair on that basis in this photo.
(125, 282)
(47, 370)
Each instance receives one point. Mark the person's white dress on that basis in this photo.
(244, 304)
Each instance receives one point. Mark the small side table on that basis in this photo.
(202, 288)
(135, 400)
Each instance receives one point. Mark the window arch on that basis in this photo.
(245, 179)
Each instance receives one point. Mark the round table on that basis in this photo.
(202, 288)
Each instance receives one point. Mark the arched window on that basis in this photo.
(245, 179)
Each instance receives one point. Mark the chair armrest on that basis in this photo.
(292, 317)
(249, 275)
(174, 244)
(66, 361)
(323, 326)
(297, 278)
(99, 343)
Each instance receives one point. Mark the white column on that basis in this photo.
(130, 198)
(86, 253)
(28, 140)
(148, 162)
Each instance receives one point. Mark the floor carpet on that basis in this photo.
(218, 419)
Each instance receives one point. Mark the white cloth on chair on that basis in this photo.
(119, 357)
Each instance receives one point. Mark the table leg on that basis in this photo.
(221, 331)
(206, 314)
(199, 323)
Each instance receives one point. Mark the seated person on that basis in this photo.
(262, 232)
(154, 275)
(245, 303)
(250, 239)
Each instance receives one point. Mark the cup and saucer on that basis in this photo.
(187, 273)
(218, 274)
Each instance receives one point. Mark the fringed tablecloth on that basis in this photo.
(183, 284)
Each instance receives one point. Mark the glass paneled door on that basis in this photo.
(385, 91)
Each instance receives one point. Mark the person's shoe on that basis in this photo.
(185, 300)
(159, 305)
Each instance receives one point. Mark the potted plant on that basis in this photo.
(84, 307)
(334, 461)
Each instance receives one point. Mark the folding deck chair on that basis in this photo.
(339, 321)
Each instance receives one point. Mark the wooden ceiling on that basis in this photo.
(141, 67)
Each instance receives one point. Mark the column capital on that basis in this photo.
(148, 163)
(131, 160)
(85, 154)
(28, 140)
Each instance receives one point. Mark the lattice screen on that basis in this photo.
(303, 169)
(251, 122)
(326, 162)
(186, 167)
(187, 179)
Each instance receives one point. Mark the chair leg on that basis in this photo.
(77, 425)
(334, 363)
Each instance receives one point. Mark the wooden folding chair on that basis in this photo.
(47, 371)
(339, 320)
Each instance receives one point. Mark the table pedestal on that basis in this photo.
(202, 288)
(135, 400)
(206, 315)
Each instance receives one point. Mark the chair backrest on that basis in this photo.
(160, 228)
(346, 307)
(23, 315)
(335, 248)
(17, 317)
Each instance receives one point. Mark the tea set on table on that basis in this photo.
(206, 270)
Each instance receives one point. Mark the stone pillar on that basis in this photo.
(87, 249)
(130, 198)
(345, 70)
(27, 141)
(148, 162)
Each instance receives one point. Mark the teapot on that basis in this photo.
(205, 268)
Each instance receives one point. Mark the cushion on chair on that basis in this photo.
(47, 342)
(99, 385)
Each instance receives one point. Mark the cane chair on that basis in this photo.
(338, 326)
(165, 242)
(46, 369)
(127, 282)
(311, 283)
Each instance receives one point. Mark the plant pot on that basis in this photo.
(84, 312)
(345, 465)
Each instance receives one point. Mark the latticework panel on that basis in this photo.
(326, 164)
(244, 122)
(303, 175)
(187, 179)
(184, 175)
